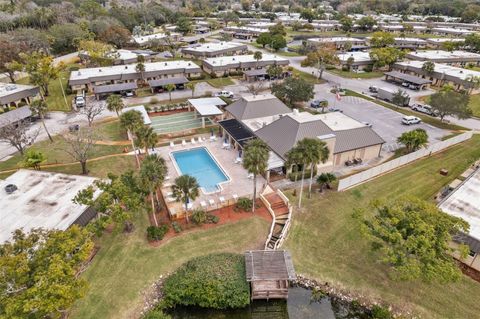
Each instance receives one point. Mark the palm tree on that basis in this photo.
(40, 108)
(257, 56)
(255, 161)
(296, 156)
(186, 188)
(170, 88)
(325, 179)
(33, 159)
(115, 103)
(152, 174)
(131, 121)
(145, 137)
(140, 68)
(316, 151)
(191, 86)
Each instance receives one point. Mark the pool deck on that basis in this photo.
(238, 184)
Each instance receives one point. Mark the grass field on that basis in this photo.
(326, 243)
(126, 265)
(425, 118)
(111, 131)
(355, 75)
(220, 82)
(307, 77)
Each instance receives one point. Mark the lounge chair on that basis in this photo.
(222, 199)
(184, 143)
(170, 199)
(250, 176)
(235, 197)
(203, 204)
(238, 160)
(211, 202)
(172, 145)
(167, 177)
(169, 194)
(192, 140)
(213, 138)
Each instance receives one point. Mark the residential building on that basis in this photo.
(357, 60)
(240, 63)
(456, 58)
(122, 56)
(451, 31)
(90, 78)
(438, 43)
(39, 199)
(12, 94)
(410, 43)
(214, 49)
(443, 74)
(159, 37)
(341, 43)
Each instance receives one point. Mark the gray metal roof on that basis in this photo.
(117, 87)
(283, 134)
(257, 106)
(356, 138)
(163, 82)
(407, 77)
(15, 115)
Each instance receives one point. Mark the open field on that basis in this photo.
(355, 75)
(326, 243)
(127, 265)
(111, 131)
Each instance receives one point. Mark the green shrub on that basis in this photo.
(156, 233)
(199, 217)
(368, 68)
(244, 203)
(298, 175)
(73, 68)
(379, 312)
(154, 100)
(212, 281)
(176, 227)
(156, 314)
(212, 219)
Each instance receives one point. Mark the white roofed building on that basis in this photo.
(239, 63)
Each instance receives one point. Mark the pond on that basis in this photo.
(300, 305)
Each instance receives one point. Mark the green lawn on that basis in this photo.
(307, 77)
(326, 243)
(475, 104)
(55, 153)
(55, 99)
(220, 82)
(425, 118)
(355, 75)
(111, 131)
(127, 265)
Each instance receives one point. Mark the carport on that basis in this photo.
(254, 75)
(235, 131)
(100, 90)
(206, 107)
(161, 83)
(400, 77)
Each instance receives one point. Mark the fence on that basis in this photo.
(373, 172)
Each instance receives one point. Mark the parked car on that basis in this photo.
(373, 89)
(228, 94)
(318, 103)
(74, 128)
(423, 108)
(414, 87)
(127, 94)
(335, 109)
(80, 101)
(405, 84)
(410, 120)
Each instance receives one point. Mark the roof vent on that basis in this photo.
(99, 70)
(126, 67)
(10, 188)
(79, 73)
(166, 63)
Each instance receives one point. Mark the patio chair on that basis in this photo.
(170, 199)
(238, 160)
(167, 177)
(169, 194)
(203, 204)
(192, 140)
(211, 202)
(235, 197)
(222, 200)
(184, 143)
(172, 145)
(250, 176)
(213, 138)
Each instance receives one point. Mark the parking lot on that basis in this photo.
(387, 123)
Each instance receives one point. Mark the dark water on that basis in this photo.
(300, 305)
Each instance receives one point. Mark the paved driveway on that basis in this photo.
(386, 122)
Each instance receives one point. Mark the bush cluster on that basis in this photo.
(155, 233)
(213, 281)
(244, 204)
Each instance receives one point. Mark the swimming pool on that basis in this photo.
(199, 163)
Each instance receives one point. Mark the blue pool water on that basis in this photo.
(199, 163)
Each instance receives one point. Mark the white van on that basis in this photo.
(409, 120)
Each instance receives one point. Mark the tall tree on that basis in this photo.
(152, 174)
(346, 23)
(315, 151)
(382, 57)
(451, 103)
(10, 50)
(414, 139)
(257, 56)
(428, 66)
(264, 38)
(184, 25)
(16, 134)
(39, 277)
(278, 42)
(131, 121)
(170, 87)
(40, 69)
(91, 111)
(145, 137)
(39, 108)
(321, 57)
(382, 39)
(414, 238)
(293, 90)
(186, 188)
(191, 86)
(97, 53)
(325, 180)
(80, 146)
(116, 35)
(115, 104)
(308, 14)
(255, 161)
